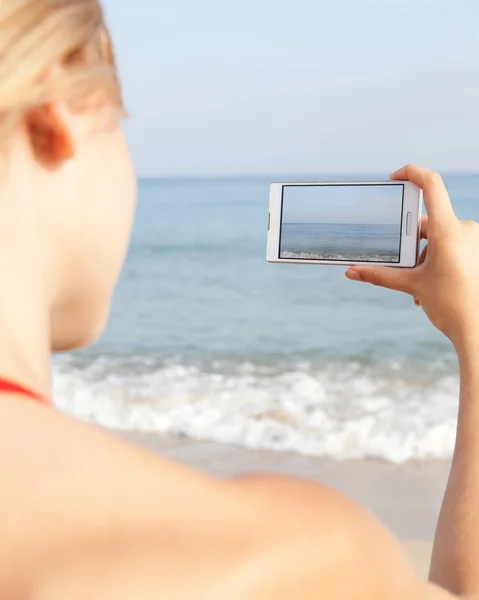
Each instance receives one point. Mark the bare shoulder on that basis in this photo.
(293, 502)
(319, 542)
(121, 512)
(432, 592)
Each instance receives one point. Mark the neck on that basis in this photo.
(24, 335)
(25, 330)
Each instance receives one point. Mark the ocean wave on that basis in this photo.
(336, 411)
(336, 256)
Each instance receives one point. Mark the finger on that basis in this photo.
(423, 256)
(436, 197)
(424, 227)
(387, 277)
(421, 261)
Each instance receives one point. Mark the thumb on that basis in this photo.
(386, 277)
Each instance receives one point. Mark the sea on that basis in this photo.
(341, 241)
(209, 341)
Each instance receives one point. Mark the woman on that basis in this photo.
(85, 515)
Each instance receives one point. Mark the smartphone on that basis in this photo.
(345, 223)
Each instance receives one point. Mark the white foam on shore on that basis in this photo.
(286, 254)
(339, 412)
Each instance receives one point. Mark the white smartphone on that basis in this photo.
(345, 223)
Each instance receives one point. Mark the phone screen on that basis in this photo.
(360, 222)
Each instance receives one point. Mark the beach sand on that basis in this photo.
(406, 497)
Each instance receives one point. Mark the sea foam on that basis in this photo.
(348, 257)
(338, 411)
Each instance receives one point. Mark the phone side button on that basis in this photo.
(408, 223)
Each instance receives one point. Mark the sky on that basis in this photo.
(343, 204)
(298, 86)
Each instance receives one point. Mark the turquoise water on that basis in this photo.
(208, 340)
(336, 241)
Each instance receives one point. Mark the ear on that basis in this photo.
(50, 138)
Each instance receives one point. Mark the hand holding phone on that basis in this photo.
(344, 223)
(446, 282)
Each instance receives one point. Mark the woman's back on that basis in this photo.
(102, 519)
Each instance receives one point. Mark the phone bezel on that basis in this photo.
(410, 244)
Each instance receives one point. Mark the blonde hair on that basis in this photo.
(38, 35)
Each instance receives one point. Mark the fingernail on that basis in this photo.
(354, 275)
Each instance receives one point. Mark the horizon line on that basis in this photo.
(280, 177)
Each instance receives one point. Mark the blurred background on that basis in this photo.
(206, 339)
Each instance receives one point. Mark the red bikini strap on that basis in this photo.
(13, 388)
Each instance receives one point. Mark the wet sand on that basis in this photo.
(406, 497)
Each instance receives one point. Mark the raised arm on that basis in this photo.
(455, 564)
(446, 284)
